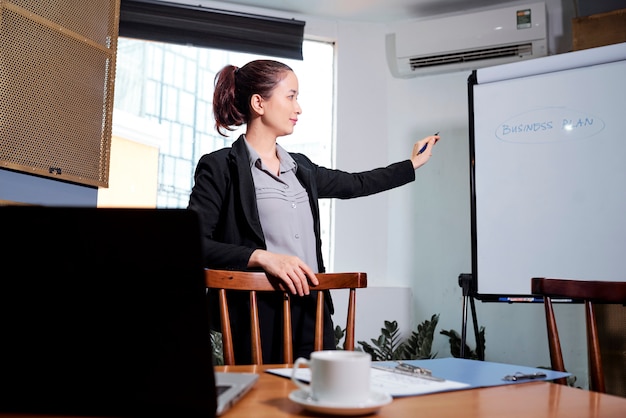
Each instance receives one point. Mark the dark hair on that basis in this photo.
(235, 86)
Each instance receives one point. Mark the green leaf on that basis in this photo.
(339, 334)
(455, 344)
(419, 344)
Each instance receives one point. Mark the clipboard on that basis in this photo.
(407, 369)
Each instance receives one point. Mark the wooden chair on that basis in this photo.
(254, 282)
(589, 292)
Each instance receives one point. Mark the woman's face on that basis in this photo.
(282, 108)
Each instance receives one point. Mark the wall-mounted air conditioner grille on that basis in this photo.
(467, 41)
(474, 55)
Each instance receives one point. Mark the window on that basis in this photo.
(168, 89)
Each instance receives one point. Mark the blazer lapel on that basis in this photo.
(240, 164)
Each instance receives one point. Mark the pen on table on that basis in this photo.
(521, 376)
(424, 147)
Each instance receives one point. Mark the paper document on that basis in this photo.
(403, 385)
(394, 384)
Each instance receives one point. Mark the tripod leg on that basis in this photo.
(479, 347)
(464, 327)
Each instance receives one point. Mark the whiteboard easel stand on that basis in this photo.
(466, 281)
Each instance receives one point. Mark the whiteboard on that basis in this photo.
(548, 181)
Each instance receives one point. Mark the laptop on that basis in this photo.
(103, 312)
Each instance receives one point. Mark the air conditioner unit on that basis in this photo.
(468, 41)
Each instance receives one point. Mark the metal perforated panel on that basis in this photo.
(57, 71)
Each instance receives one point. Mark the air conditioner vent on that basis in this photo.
(520, 50)
(472, 40)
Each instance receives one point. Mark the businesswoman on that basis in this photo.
(258, 203)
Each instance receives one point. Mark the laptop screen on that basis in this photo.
(103, 312)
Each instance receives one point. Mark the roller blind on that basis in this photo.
(211, 28)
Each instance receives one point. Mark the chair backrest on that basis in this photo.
(588, 292)
(223, 280)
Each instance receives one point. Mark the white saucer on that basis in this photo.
(371, 405)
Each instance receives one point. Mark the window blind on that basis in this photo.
(212, 28)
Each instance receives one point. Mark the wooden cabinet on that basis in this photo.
(599, 30)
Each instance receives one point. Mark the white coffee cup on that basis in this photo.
(337, 376)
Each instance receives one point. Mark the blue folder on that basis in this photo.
(478, 373)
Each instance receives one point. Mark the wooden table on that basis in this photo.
(269, 398)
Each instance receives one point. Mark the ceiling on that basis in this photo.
(375, 11)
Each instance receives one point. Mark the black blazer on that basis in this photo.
(223, 195)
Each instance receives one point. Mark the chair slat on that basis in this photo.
(255, 330)
(349, 340)
(319, 322)
(596, 373)
(227, 336)
(287, 339)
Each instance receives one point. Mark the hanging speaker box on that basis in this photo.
(57, 73)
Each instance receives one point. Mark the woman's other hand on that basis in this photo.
(291, 270)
